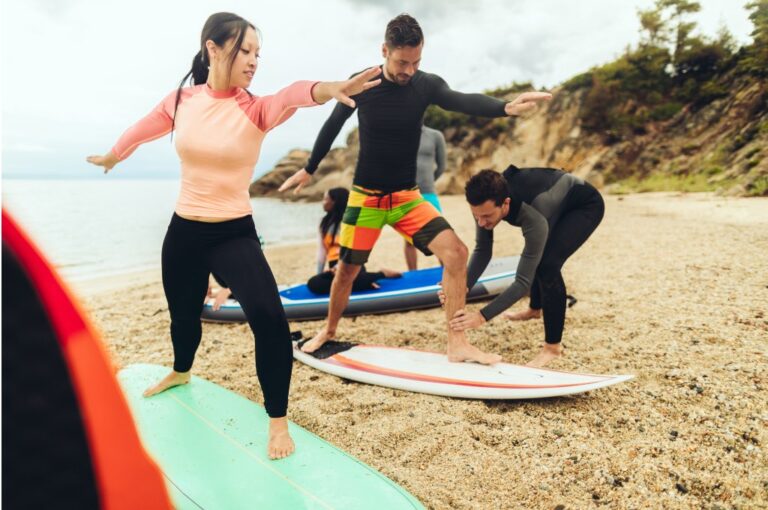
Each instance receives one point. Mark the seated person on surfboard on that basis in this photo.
(557, 212)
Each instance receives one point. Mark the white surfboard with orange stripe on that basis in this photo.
(431, 372)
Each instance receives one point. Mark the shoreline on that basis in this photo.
(89, 287)
(99, 284)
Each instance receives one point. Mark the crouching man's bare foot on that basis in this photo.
(168, 382)
(280, 443)
(459, 349)
(548, 353)
(319, 339)
(524, 315)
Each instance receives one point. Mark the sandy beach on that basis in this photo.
(672, 288)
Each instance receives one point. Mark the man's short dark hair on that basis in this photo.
(486, 185)
(403, 30)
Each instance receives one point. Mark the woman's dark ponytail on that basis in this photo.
(332, 219)
(199, 74)
(199, 69)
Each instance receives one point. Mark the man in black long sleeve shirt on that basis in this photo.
(384, 188)
(557, 212)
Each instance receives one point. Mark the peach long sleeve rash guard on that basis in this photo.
(218, 137)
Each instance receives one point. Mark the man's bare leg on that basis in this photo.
(411, 257)
(548, 353)
(453, 254)
(523, 315)
(341, 288)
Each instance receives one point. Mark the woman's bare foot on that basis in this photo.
(317, 341)
(391, 273)
(461, 350)
(169, 381)
(524, 315)
(547, 354)
(280, 443)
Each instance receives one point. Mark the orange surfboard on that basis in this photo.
(69, 440)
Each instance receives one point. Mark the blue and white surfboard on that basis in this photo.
(416, 289)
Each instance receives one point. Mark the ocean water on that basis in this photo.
(94, 228)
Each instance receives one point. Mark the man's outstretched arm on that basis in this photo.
(342, 91)
(481, 255)
(535, 231)
(325, 138)
(327, 135)
(480, 104)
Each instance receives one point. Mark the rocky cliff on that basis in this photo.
(336, 169)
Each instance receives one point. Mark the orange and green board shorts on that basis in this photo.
(413, 217)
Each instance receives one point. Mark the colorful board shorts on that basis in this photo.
(432, 199)
(413, 217)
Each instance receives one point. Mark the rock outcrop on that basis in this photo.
(336, 169)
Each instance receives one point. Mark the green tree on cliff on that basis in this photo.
(670, 68)
(755, 59)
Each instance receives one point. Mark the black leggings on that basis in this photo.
(191, 251)
(574, 227)
(321, 283)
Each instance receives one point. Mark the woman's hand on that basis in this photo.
(463, 320)
(441, 294)
(342, 90)
(526, 102)
(221, 297)
(107, 161)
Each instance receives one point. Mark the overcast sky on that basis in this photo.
(77, 73)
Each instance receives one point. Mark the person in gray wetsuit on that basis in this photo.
(430, 165)
(557, 212)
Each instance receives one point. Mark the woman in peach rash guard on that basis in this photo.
(219, 127)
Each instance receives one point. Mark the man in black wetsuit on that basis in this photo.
(384, 188)
(557, 212)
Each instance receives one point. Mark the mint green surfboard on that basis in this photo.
(211, 444)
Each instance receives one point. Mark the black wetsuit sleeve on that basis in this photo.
(327, 135)
(481, 255)
(535, 231)
(471, 104)
(439, 154)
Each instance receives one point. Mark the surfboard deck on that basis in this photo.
(210, 444)
(431, 372)
(414, 290)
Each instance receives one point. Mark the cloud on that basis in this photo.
(25, 147)
(54, 9)
(432, 10)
